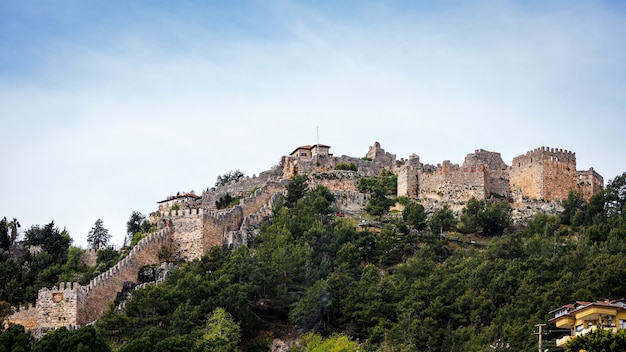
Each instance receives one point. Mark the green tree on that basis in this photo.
(14, 225)
(107, 256)
(311, 342)
(229, 177)
(379, 188)
(98, 236)
(221, 332)
(575, 203)
(134, 225)
(489, 216)
(598, 340)
(346, 166)
(82, 340)
(296, 189)
(415, 216)
(495, 218)
(5, 239)
(14, 339)
(469, 216)
(53, 241)
(442, 220)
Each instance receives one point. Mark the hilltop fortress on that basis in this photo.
(188, 225)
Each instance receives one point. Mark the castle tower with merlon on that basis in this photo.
(544, 173)
(58, 307)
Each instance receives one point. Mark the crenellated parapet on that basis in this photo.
(544, 173)
(189, 225)
(104, 287)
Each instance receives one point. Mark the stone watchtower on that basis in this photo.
(544, 173)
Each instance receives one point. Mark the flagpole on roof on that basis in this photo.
(318, 139)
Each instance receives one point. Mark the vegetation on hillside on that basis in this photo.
(403, 287)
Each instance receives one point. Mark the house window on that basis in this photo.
(622, 324)
(579, 328)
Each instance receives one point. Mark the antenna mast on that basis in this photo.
(318, 139)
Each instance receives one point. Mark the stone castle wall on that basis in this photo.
(186, 232)
(94, 298)
(544, 173)
(497, 171)
(26, 316)
(589, 182)
(221, 228)
(452, 183)
(336, 180)
(58, 306)
(242, 188)
(372, 164)
(89, 258)
(408, 184)
(191, 231)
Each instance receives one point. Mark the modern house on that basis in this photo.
(583, 317)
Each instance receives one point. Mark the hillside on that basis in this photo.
(379, 271)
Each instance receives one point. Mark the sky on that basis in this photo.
(107, 107)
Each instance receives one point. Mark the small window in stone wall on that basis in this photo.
(57, 297)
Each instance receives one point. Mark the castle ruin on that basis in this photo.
(188, 226)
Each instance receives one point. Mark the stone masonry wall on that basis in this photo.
(186, 232)
(89, 258)
(94, 298)
(26, 316)
(59, 306)
(453, 183)
(559, 174)
(340, 180)
(590, 182)
(544, 173)
(408, 185)
(497, 171)
(241, 188)
(250, 226)
(218, 224)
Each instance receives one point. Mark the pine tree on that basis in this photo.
(98, 236)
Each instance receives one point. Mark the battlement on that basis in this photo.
(165, 211)
(196, 227)
(544, 154)
(544, 173)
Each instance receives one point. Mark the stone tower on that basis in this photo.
(544, 173)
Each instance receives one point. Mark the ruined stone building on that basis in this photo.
(190, 225)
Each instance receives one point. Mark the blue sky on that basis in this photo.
(108, 107)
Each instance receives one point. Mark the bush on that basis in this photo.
(346, 166)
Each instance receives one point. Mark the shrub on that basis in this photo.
(346, 166)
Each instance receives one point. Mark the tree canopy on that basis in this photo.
(98, 236)
(346, 287)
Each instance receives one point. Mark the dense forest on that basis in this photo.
(326, 282)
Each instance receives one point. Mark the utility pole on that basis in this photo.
(540, 334)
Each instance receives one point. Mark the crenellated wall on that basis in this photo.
(544, 173)
(58, 306)
(186, 232)
(191, 231)
(104, 288)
